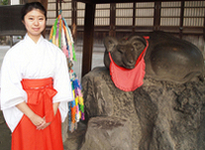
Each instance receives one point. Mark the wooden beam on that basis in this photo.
(123, 1)
(88, 38)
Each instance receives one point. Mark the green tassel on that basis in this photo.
(82, 108)
(55, 27)
(74, 55)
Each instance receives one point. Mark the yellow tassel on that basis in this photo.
(51, 33)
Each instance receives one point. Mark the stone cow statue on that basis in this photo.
(167, 112)
(167, 58)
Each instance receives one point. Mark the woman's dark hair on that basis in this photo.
(30, 6)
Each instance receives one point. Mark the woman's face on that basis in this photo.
(35, 23)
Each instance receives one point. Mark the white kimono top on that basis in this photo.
(31, 60)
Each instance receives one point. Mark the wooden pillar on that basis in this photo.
(181, 20)
(157, 15)
(88, 37)
(133, 19)
(112, 19)
(204, 28)
(56, 8)
(74, 20)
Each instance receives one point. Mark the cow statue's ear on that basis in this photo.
(110, 43)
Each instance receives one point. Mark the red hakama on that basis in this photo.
(39, 98)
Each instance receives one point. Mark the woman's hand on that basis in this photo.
(36, 120)
(43, 125)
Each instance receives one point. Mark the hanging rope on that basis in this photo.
(61, 36)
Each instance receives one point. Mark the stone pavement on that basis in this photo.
(5, 134)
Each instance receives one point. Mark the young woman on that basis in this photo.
(35, 87)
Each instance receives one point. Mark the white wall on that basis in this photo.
(15, 2)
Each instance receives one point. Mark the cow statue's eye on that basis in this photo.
(136, 44)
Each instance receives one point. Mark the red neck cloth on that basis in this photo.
(129, 79)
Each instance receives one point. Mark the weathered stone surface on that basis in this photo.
(74, 139)
(163, 115)
(171, 115)
(1, 118)
(102, 98)
(65, 129)
(103, 103)
(107, 133)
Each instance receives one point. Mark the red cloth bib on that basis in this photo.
(129, 79)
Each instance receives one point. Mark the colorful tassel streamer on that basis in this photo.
(61, 36)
